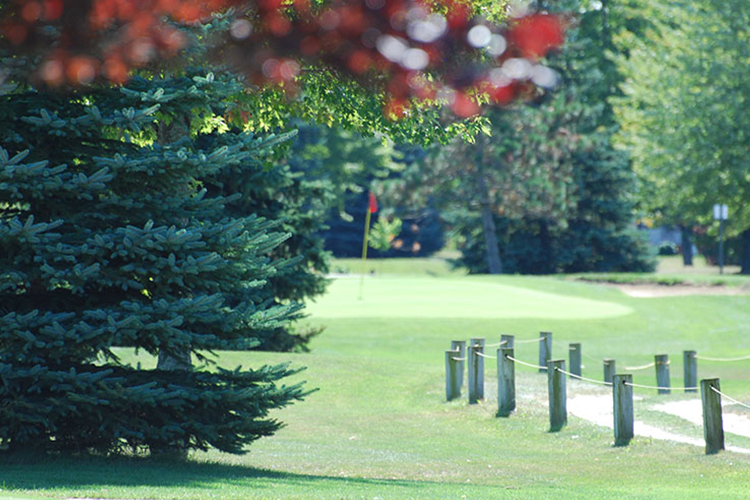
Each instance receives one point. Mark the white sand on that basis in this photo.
(650, 291)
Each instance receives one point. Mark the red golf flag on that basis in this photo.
(373, 204)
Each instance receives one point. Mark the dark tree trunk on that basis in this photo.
(745, 252)
(488, 229)
(687, 245)
(167, 134)
(180, 360)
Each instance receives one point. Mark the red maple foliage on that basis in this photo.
(394, 44)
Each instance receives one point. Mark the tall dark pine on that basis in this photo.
(108, 238)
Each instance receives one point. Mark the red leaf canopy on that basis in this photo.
(405, 47)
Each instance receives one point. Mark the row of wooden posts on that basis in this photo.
(473, 357)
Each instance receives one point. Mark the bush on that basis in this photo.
(668, 248)
(536, 246)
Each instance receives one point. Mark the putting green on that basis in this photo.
(453, 298)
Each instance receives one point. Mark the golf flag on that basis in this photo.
(372, 207)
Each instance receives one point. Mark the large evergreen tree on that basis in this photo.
(109, 238)
(299, 204)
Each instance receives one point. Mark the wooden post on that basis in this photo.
(506, 382)
(509, 340)
(623, 409)
(480, 366)
(558, 414)
(609, 369)
(545, 350)
(461, 346)
(575, 359)
(690, 368)
(452, 389)
(662, 373)
(475, 370)
(713, 429)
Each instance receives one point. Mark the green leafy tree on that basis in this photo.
(109, 238)
(516, 172)
(547, 192)
(683, 113)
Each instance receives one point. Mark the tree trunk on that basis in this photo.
(167, 134)
(179, 360)
(745, 252)
(494, 263)
(687, 245)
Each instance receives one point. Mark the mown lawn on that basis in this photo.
(378, 428)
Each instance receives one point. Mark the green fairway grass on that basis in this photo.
(475, 297)
(378, 427)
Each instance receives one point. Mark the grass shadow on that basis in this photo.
(26, 471)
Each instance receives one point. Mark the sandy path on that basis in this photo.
(734, 423)
(649, 291)
(598, 410)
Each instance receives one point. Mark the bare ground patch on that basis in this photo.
(644, 290)
(597, 409)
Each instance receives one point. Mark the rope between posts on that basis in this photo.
(497, 344)
(717, 391)
(485, 355)
(525, 363)
(529, 340)
(583, 378)
(724, 360)
(660, 388)
(458, 359)
(642, 367)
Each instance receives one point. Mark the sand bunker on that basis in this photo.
(649, 291)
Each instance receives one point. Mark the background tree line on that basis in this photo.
(683, 117)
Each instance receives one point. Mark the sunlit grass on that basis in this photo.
(436, 266)
(379, 428)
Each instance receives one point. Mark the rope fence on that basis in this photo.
(722, 360)
(497, 344)
(608, 384)
(642, 367)
(622, 384)
(656, 387)
(734, 401)
(529, 341)
(524, 363)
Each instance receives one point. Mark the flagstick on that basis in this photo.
(364, 252)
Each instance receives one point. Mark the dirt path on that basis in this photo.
(598, 410)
